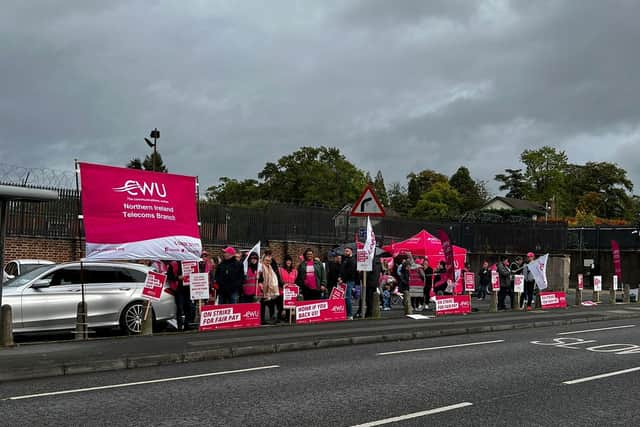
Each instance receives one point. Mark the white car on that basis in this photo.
(20, 266)
(46, 298)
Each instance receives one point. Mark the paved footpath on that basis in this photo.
(37, 360)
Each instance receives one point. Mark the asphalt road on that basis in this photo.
(521, 377)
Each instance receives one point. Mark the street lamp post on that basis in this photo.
(155, 134)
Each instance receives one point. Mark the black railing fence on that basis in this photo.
(243, 226)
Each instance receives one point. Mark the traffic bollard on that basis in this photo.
(6, 327)
(375, 302)
(82, 330)
(407, 303)
(493, 307)
(612, 295)
(626, 298)
(146, 326)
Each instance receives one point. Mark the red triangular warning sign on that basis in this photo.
(367, 204)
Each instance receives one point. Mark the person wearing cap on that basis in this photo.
(229, 276)
(529, 282)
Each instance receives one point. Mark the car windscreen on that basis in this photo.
(25, 268)
(16, 282)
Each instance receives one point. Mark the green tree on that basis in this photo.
(233, 192)
(421, 183)
(147, 164)
(473, 194)
(135, 163)
(381, 189)
(545, 171)
(398, 198)
(514, 182)
(440, 202)
(600, 188)
(313, 176)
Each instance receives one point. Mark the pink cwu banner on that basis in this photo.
(133, 214)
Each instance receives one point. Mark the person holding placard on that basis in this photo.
(185, 314)
(504, 272)
(529, 282)
(288, 276)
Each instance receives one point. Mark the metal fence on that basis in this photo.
(244, 226)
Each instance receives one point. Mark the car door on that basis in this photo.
(108, 289)
(55, 305)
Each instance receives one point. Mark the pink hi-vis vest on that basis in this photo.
(249, 286)
(414, 278)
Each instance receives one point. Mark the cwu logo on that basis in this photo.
(134, 188)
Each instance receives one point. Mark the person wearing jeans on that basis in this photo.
(348, 276)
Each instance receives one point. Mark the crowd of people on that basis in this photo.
(238, 277)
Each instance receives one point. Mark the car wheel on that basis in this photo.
(132, 316)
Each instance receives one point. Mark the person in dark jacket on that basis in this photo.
(484, 280)
(333, 270)
(440, 286)
(349, 276)
(504, 273)
(429, 280)
(185, 312)
(229, 277)
(311, 278)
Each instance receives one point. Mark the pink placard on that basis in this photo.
(230, 316)
(134, 214)
(453, 304)
(153, 285)
(336, 293)
(188, 267)
(495, 281)
(518, 283)
(290, 296)
(580, 281)
(315, 311)
(469, 281)
(553, 300)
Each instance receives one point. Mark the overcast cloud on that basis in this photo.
(398, 86)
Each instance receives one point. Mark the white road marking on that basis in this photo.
(414, 415)
(413, 350)
(161, 380)
(597, 377)
(596, 330)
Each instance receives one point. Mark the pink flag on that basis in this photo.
(448, 255)
(617, 260)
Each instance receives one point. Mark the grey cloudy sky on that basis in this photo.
(398, 86)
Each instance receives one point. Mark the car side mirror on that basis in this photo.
(41, 283)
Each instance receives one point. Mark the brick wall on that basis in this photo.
(57, 250)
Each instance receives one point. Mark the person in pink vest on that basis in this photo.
(251, 289)
(288, 276)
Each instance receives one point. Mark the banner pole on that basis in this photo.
(364, 294)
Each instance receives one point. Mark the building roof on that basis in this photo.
(517, 204)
